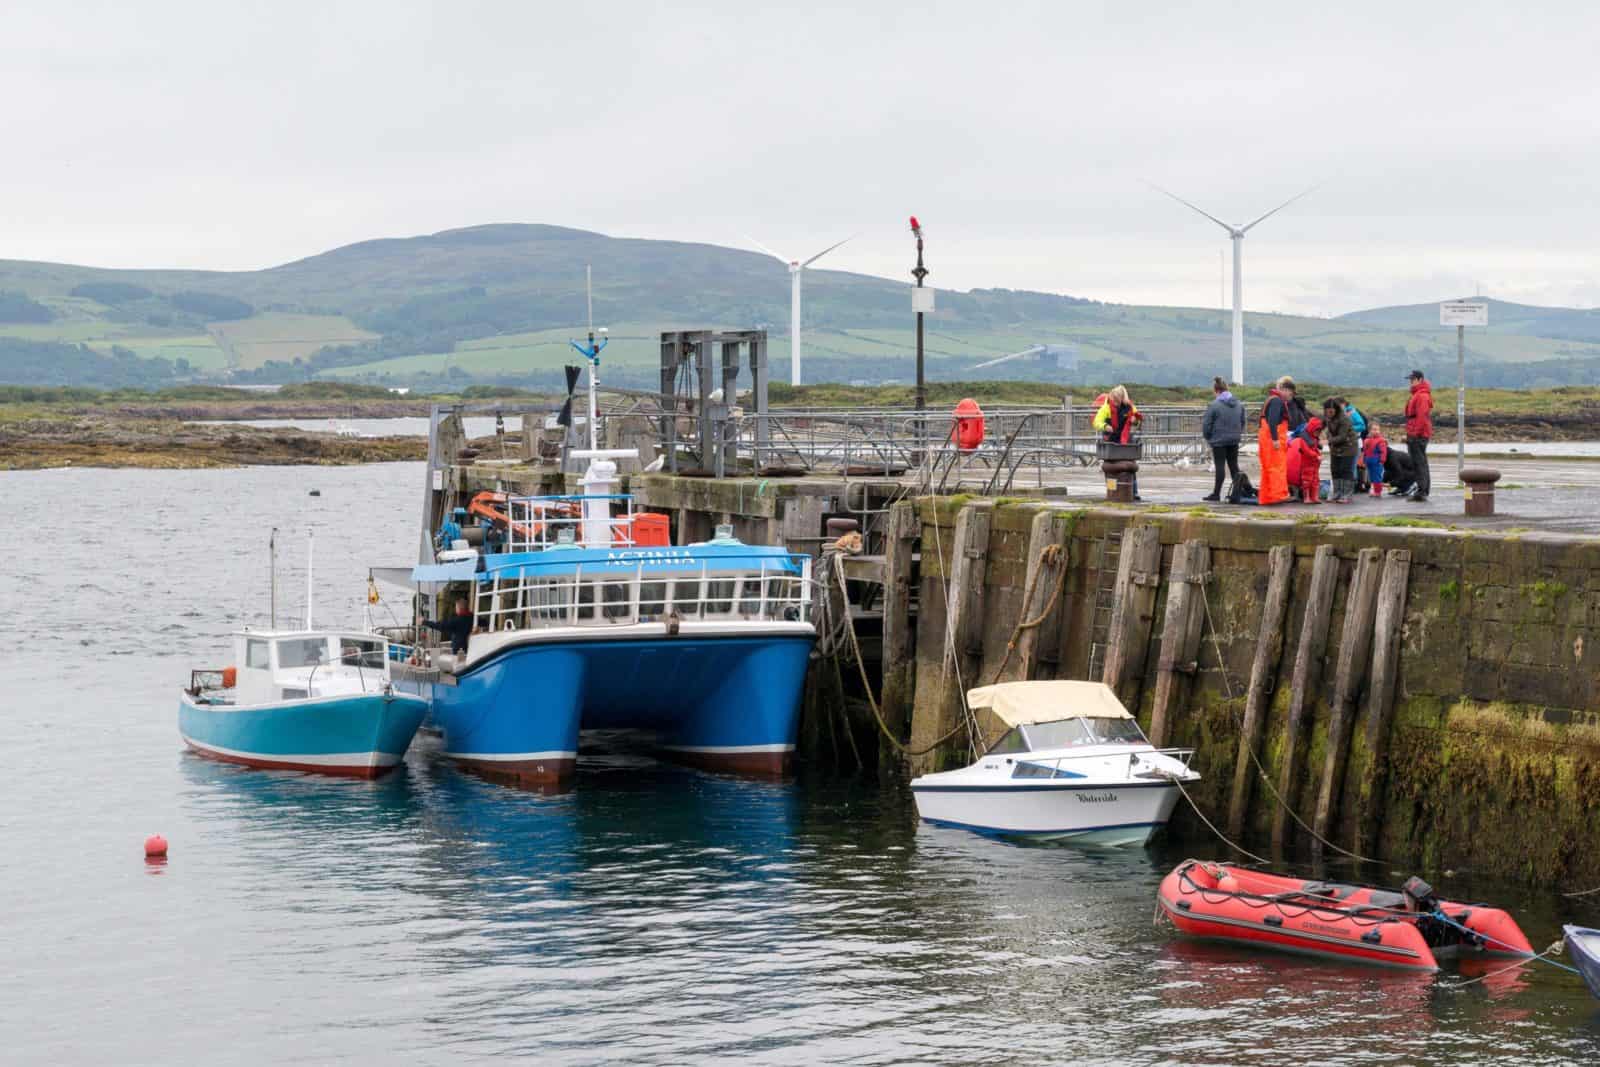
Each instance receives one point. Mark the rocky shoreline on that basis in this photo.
(167, 443)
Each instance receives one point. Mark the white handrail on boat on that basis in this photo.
(720, 588)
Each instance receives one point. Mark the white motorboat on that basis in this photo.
(1073, 763)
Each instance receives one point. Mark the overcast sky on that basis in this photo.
(1453, 144)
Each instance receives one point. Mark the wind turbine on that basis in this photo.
(795, 267)
(1237, 233)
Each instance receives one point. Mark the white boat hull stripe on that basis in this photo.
(328, 759)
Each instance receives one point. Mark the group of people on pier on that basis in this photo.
(1291, 441)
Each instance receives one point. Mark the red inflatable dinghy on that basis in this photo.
(1410, 928)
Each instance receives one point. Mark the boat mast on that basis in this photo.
(594, 358)
(310, 534)
(272, 565)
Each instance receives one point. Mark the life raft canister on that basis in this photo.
(968, 430)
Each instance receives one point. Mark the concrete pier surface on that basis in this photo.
(1557, 495)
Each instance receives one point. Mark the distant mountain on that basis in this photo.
(497, 303)
(1572, 324)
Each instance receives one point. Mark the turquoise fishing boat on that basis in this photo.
(305, 700)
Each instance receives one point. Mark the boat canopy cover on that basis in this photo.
(1022, 703)
(430, 573)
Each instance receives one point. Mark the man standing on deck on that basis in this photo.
(457, 628)
(1419, 431)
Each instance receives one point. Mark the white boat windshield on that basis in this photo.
(1069, 733)
(302, 652)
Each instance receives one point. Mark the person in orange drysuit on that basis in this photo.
(1272, 447)
(1306, 457)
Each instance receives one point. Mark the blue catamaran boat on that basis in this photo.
(578, 624)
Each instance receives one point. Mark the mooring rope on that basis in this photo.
(866, 685)
(950, 657)
(1554, 950)
(1524, 956)
(1049, 556)
(1220, 835)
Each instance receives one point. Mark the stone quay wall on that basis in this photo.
(1418, 694)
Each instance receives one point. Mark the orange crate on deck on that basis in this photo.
(652, 530)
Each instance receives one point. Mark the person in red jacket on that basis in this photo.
(1419, 431)
(1374, 454)
(1308, 450)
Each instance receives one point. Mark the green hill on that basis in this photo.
(498, 303)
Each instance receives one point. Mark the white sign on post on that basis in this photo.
(921, 299)
(1463, 313)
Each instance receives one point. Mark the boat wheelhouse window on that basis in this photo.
(652, 598)
(302, 652)
(616, 601)
(719, 596)
(1012, 741)
(355, 652)
(255, 655)
(585, 600)
(293, 694)
(686, 597)
(1061, 734)
(750, 596)
(1118, 732)
(551, 600)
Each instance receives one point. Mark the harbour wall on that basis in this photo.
(1428, 696)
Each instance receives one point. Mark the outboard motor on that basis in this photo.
(1419, 895)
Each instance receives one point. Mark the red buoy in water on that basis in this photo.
(155, 845)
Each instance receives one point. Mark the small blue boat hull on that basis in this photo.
(1583, 945)
(723, 703)
(360, 736)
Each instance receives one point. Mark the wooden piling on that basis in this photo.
(1385, 671)
(939, 693)
(967, 591)
(1355, 642)
(1180, 634)
(899, 636)
(1263, 672)
(1138, 577)
(1307, 676)
(1047, 562)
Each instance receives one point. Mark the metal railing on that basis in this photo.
(891, 442)
(541, 522)
(547, 594)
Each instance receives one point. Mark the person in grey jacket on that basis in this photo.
(1222, 428)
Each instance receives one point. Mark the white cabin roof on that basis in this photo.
(1022, 703)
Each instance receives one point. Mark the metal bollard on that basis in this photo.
(1479, 482)
(1119, 479)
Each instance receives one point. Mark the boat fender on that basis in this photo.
(672, 623)
(230, 677)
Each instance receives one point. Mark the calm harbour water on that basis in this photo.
(651, 915)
